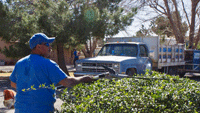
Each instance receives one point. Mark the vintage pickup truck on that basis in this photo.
(124, 57)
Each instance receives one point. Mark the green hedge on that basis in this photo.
(134, 95)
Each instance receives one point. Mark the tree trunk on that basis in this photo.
(175, 31)
(89, 52)
(178, 19)
(86, 51)
(197, 38)
(192, 26)
(61, 59)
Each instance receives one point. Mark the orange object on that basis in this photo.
(9, 94)
(9, 98)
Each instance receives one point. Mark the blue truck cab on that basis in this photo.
(129, 58)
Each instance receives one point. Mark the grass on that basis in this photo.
(8, 74)
(5, 74)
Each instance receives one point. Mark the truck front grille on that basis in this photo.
(97, 64)
(95, 67)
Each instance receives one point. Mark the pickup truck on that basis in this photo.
(167, 55)
(124, 57)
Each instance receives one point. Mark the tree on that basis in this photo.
(54, 19)
(4, 18)
(98, 19)
(29, 17)
(161, 26)
(168, 7)
(17, 26)
(143, 32)
(64, 20)
(192, 25)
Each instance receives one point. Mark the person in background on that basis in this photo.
(35, 70)
(76, 57)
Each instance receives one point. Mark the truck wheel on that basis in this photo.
(131, 72)
(181, 74)
(172, 70)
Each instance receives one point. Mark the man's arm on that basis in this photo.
(72, 81)
(13, 84)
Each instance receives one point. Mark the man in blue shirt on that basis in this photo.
(35, 70)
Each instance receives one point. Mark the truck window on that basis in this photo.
(118, 50)
(143, 51)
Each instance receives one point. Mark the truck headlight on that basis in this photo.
(148, 66)
(116, 66)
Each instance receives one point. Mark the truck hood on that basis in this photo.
(107, 59)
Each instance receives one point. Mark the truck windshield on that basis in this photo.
(118, 50)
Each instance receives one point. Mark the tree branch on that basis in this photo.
(185, 12)
(154, 6)
(171, 20)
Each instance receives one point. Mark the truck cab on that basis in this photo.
(129, 58)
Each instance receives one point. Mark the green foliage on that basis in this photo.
(198, 46)
(54, 19)
(17, 50)
(143, 32)
(4, 18)
(17, 28)
(95, 19)
(134, 95)
(161, 26)
(65, 20)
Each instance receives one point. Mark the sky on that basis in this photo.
(141, 19)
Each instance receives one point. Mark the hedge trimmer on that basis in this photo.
(112, 74)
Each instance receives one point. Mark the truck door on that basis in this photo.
(144, 58)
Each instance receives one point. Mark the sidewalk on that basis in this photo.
(11, 67)
(70, 68)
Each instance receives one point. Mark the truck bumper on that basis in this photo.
(77, 74)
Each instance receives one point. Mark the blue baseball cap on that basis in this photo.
(39, 38)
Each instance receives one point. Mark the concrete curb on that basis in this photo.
(8, 77)
(4, 77)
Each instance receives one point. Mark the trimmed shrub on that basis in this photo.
(167, 94)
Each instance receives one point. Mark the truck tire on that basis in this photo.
(181, 74)
(172, 70)
(131, 72)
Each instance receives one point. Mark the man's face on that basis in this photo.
(45, 49)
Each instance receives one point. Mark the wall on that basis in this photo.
(2, 56)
